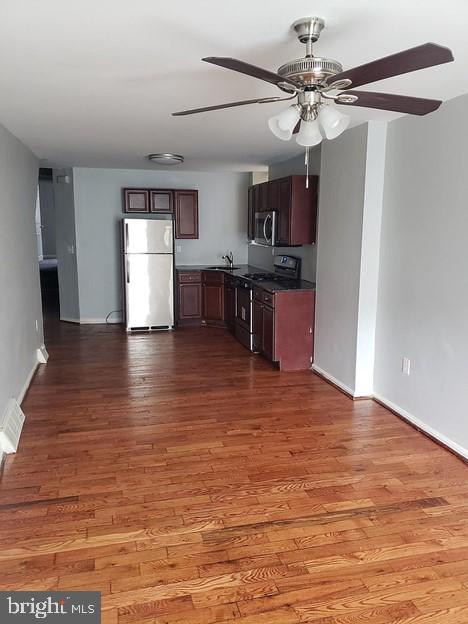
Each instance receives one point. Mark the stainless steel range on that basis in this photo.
(287, 272)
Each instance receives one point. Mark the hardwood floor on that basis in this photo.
(189, 482)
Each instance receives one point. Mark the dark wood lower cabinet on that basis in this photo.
(213, 297)
(189, 297)
(283, 327)
(258, 325)
(268, 338)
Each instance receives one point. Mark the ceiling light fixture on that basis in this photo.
(166, 159)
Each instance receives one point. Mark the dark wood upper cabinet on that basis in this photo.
(186, 214)
(294, 205)
(183, 203)
(136, 200)
(283, 232)
(263, 197)
(161, 200)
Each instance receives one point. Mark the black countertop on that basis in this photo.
(242, 269)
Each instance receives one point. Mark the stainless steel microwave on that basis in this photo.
(265, 228)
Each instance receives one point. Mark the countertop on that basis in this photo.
(242, 269)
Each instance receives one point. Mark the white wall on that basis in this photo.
(66, 245)
(341, 201)
(98, 208)
(262, 257)
(423, 288)
(20, 306)
(370, 252)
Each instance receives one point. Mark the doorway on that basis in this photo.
(46, 245)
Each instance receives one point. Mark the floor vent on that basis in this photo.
(11, 424)
(42, 355)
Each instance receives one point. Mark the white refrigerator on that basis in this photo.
(148, 246)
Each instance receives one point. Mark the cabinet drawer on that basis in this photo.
(193, 277)
(268, 298)
(212, 277)
(264, 297)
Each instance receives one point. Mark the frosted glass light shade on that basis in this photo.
(309, 134)
(332, 121)
(283, 124)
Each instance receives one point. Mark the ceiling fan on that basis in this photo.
(313, 80)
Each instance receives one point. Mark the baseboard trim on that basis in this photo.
(421, 426)
(27, 383)
(69, 320)
(333, 381)
(100, 321)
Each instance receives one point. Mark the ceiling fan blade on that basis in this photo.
(392, 102)
(250, 70)
(205, 109)
(425, 55)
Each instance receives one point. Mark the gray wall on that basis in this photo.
(262, 257)
(98, 208)
(19, 270)
(341, 201)
(66, 245)
(423, 287)
(46, 196)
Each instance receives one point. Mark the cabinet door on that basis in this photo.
(136, 200)
(161, 200)
(263, 197)
(250, 214)
(258, 325)
(186, 214)
(189, 301)
(268, 332)
(213, 302)
(283, 232)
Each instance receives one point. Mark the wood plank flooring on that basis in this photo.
(190, 483)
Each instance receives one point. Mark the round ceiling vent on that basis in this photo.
(166, 159)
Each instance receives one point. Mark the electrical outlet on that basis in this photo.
(405, 366)
(178, 248)
(71, 249)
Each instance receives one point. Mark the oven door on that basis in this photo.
(265, 228)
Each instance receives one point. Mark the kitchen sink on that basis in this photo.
(221, 268)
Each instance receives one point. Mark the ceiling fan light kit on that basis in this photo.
(312, 80)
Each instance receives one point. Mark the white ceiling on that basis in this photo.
(93, 82)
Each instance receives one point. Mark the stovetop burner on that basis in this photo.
(261, 277)
(268, 277)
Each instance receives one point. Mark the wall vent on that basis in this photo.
(11, 424)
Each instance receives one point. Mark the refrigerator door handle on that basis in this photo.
(126, 237)
(128, 271)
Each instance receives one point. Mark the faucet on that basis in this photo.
(229, 257)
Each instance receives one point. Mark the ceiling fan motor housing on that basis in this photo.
(309, 71)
